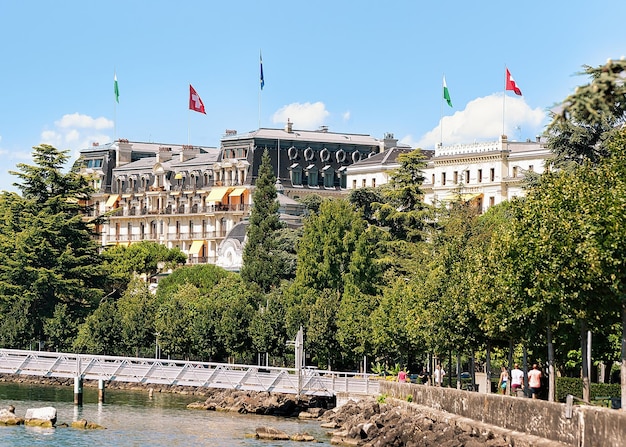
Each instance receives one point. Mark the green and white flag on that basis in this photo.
(116, 89)
(446, 93)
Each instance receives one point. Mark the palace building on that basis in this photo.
(191, 197)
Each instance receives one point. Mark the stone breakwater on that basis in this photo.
(368, 423)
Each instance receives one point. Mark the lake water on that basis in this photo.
(132, 418)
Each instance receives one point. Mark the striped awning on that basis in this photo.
(217, 194)
(112, 199)
(237, 192)
(196, 247)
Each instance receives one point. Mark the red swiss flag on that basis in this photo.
(195, 103)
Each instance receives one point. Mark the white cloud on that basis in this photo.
(307, 116)
(76, 120)
(75, 132)
(482, 120)
(346, 116)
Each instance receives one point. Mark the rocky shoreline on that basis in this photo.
(365, 423)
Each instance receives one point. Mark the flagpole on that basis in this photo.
(115, 106)
(503, 98)
(441, 120)
(189, 121)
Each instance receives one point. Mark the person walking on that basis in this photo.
(439, 375)
(534, 381)
(504, 380)
(402, 376)
(517, 379)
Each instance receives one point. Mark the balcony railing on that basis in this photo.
(195, 209)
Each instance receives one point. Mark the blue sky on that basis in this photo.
(356, 67)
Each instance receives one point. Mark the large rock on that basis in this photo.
(41, 417)
(84, 424)
(8, 417)
(271, 433)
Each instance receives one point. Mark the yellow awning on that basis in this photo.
(196, 246)
(465, 197)
(179, 176)
(112, 199)
(217, 194)
(237, 192)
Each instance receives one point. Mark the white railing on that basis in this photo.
(184, 373)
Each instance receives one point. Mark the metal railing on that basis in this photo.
(184, 373)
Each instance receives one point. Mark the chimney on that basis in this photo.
(188, 152)
(124, 151)
(164, 154)
(289, 126)
(323, 129)
(390, 141)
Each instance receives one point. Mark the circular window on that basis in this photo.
(325, 154)
(308, 154)
(292, 152)
(341, 156)
(356, 156)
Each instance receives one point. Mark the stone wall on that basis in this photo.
(588, 426)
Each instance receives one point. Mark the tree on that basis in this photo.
(583, 124)
(48, 255)
(328, 242)
(144, 258)
(137, 308)
(403, 210)
(100, 333)
(260, 263)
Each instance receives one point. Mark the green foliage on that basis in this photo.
(202, 276)
(137, 308)
(327, 245)
(574, 386)
(589, 117)
(382, 398)
(100, 333)
(379, 368)
(409, 398)
(260, 265)
(143, 258)
(48, 257)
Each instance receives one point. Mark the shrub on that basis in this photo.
(574, 386)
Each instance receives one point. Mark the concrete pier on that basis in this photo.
(78, 390)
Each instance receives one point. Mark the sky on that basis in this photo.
(357, 67)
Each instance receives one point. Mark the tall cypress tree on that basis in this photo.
(261, 263)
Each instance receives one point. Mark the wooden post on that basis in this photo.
(78, 390)
(100, 390)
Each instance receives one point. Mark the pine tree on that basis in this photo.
(261, 264)
(48, 257)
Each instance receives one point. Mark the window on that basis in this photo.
(455, 177)
(373, 183)
(531, 168)
(443, 178)
(96, 163)
(467, 178)
(329, 178)
(492, 174)
(514, 171)
(480, 176)
(343, 180)
(433, 179)
(364, 183)
(312, 176)
(353, 184)
(296, 175)
(492, 201)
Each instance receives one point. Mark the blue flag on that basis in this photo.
(262, 80)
